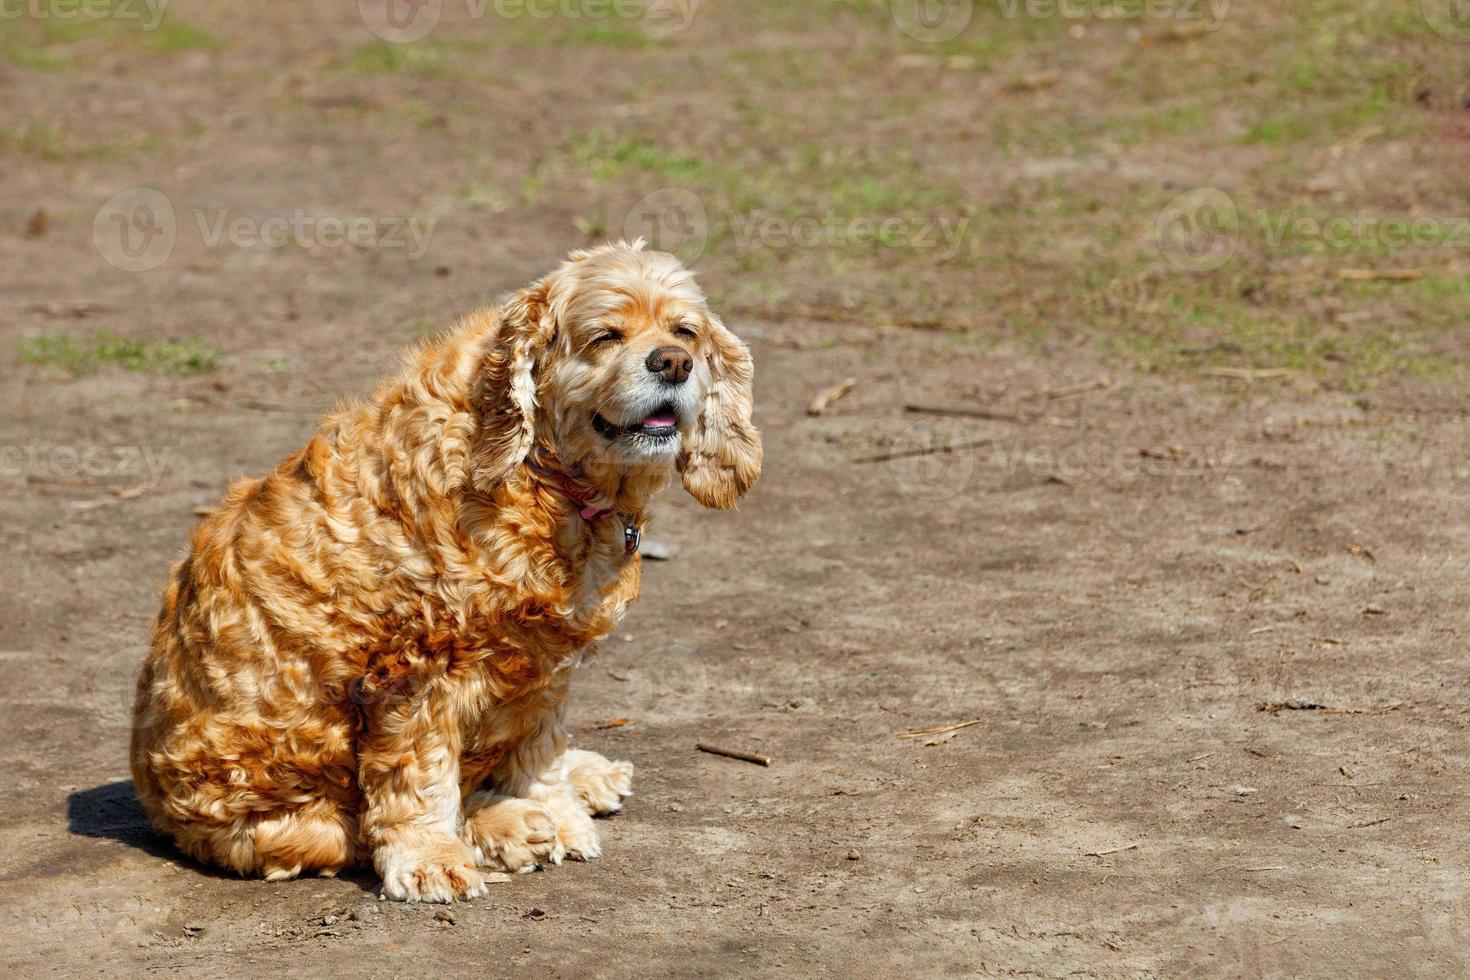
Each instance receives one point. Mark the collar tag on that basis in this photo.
(632, 538)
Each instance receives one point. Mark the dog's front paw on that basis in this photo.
(576, 835)
(436, 870)
(598, 782)
(509, 834)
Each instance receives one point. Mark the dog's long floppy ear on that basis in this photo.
(721, 458)
(505, 393)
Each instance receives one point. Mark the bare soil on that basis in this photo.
(1213, 627)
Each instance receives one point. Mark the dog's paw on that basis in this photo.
(509, 834)
(576, 836)
(440, 870)
(598, 782)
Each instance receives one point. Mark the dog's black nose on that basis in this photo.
(674, 363)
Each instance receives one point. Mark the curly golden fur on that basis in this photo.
(366, 654)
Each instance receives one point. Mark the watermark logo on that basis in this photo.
(136, 231)
(1198, 231)
(145, 463)
(1361, 230)
(114, 685)
(400, 21)
(675, 219)
(668, 679)
(934, 461)
(1450, 19)
(222, 227)
(670, 16)
(149, 12)
(1201, 230)
(403, 21)
(945, 234)
(1210, 13)
(932, 21)
(671, 220)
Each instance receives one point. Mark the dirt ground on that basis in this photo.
(1197, 564)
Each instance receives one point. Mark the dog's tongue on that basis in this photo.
(658, 422)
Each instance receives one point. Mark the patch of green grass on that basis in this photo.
(52, 144)
(83, 354)
(36, 139)
(1234, 319)
(71, 28)
(173, 35)
(605, 157)
(22, 48)
(613, 34)
(479, 195)
(385, 58)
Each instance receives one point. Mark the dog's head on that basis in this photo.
(615, 362)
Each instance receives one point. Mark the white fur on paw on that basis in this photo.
(434, 871)
(598, 782)
(512, 835)
(576, 835)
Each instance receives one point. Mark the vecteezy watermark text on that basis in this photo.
(676, 219)
(31, 460)
(1211, 12)
(1202, 229)
(403, 21)
(935, 21)
(760, 229)
(223, 227)
(137, 230)
(149, 12)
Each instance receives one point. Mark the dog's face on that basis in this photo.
(633, 368)
(629, 371)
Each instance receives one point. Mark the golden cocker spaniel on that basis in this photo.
(366, 655)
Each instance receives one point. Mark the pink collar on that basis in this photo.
(579, 493)
(582, 495)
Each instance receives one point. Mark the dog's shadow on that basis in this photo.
(112, 812)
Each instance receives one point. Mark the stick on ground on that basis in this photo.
(964, 411)
(941, 729)
(759, 760)
(1051, 394)
(926, 451)
(824, 401)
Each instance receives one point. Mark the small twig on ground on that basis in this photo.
(1035, 81)
(1249, 374)
(1370, 823)
(1303, 704)
(842, 314)
(824, 401)
(1051, 394)
(615, 723)
(926, 451)
(1111, 850)
(941, 729)
(1368, 275)
(759, 760)
(78, 309)
(965, 411)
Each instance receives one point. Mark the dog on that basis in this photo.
(366, 655)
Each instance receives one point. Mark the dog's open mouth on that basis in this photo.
(661, 423)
